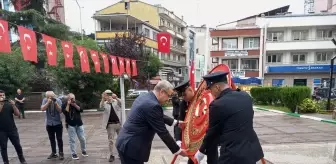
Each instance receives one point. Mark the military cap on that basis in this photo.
(215, 77)
(182, 87)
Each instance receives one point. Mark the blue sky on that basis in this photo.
(195, 12)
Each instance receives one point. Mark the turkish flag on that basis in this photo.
(115, 69)
(4, 37)
(134, 68)
(51, 49)
(192, 75)
(106, 62)
(84, 60)
(121, 65)
(68, 54)
(128, 66)
(96, 60)
(163, 42)
(28, 44)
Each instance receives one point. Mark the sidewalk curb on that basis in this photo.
(297, 115)
(87, 110)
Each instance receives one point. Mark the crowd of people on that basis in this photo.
(230, 124)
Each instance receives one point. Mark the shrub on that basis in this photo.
(308, 106)
(322, 104)
(291, 97)
(266, 95)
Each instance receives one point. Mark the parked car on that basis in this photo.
(136, 93)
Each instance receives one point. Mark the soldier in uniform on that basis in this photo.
(230, 119)
(176, 107)
(185, 90)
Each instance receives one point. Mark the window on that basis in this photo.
(323, 57)
(300, 35)
(278, 82)
(325, 34)
(147, 33)
(251, 43)
(232, 63)
(230, 43)
(162, 22)
(299, 58)
(249, 64)
(168, 24)
(214, 41)
(275, 36)
(147, 49)
(155, 35)
(155, 51)
(274, 58)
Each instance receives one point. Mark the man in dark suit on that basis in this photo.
(144, 120)
(231, 119)
(184, 89)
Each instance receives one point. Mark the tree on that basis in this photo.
(37, 5)
(14, 72)
(131, 45)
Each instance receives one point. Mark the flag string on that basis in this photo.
(64, 40)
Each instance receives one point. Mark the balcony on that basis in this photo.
(309, 44)
(105, 35)
(178, 34)
(178, 48)
(180, 63)
(171, 16)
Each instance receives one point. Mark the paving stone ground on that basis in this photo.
(281, 137)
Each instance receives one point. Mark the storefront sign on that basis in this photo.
(297, 69)
(238, 73)
(235, 53)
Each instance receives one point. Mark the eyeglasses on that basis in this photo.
(166, 92)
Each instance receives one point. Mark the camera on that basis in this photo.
(53, 99)
(73, 100)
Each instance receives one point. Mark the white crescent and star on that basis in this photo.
(27, 36)
(49, 43)
(81, 54)
(113, 60)
(3, 30)
(163, 38)
(67, 46)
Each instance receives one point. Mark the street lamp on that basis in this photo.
(122, 95)
(80, 15)
(331, 76)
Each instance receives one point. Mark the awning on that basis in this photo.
(247, 81)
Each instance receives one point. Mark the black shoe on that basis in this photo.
(111, 158)
(52, 155)
(84, 154)
(61, 156)
(74, 156)
(22, 160)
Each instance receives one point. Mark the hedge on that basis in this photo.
(290, 97)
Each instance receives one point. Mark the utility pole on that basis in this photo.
(331, 77)
(80, 17)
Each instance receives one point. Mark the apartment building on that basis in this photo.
(202, 49)
(239, 44)
(298, 49)
(319, 6)
(149, 20)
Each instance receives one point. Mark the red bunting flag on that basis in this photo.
(4, 37)
(134, 68)
(96, 60)
(106, 62)
(121, 65)
(85, 66)
(128, 66)
(28, 44)
(115, 69)
(51, 49)
(68, 54)
(163, 42)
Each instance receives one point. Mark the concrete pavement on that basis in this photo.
(285, 140)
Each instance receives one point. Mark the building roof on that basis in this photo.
(301, 15)
(282, 9)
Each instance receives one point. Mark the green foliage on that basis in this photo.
(266, 95)
(37, 5)
(322, 105)
(153, 66)
(308, 106)
(289, 97)
(15, 73)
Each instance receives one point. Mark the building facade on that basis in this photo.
(55, 9)
(149, 20)
(319, 6)
(191, 49)
(298, 49)
(202, 47)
